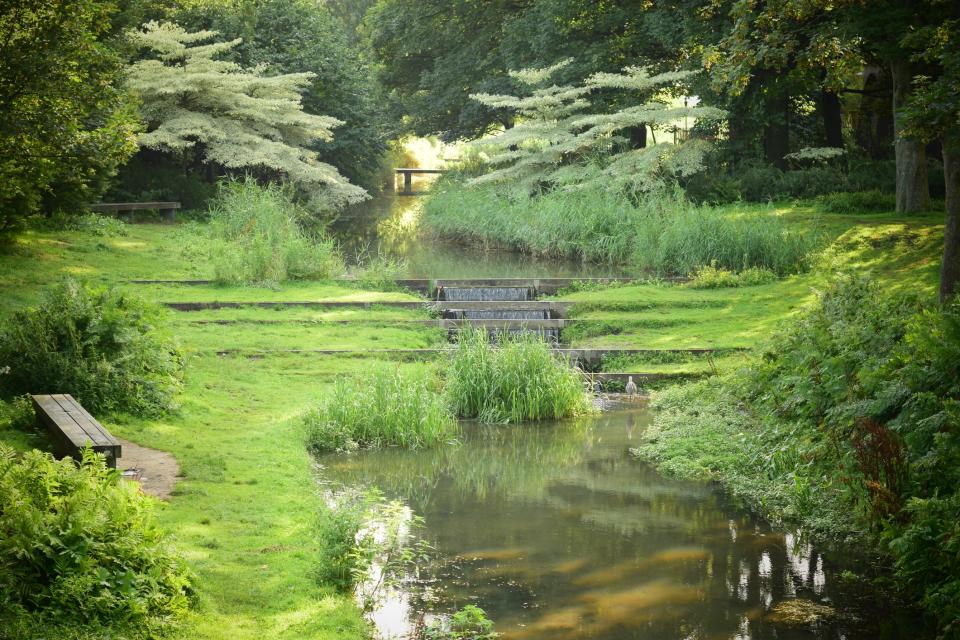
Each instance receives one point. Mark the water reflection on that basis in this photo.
(389, 225)
(557, 532)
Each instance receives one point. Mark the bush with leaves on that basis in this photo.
(849, 424)
(80, 547)
(107, 348)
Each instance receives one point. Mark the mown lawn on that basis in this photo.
(244, 513)
(903, 254)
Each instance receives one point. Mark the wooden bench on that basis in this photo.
(71, 428)
(168, 209)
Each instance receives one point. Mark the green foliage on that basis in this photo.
(257, 237)
(873, 201)
(713, 277)
(556, 145)
(97, 225)
(108, 349)
(81, 546)
(366, 543)
(383, 409)
(232, 117)
(517, 379)
(661, 232)
(65, 125)
(852, 410)
(297, 36)
(18, 414)
(468, 623)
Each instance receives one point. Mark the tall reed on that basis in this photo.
(517, 379)
(256, 237)
(387, 408)
(661, 232)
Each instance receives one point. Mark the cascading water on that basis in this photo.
(513, 318)
(486, 294)
(497, 314)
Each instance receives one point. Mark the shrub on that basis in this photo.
(80, 546)
(713, 277)
(515, 380)
(97, 225)
(383, 409)
(106, 348)
(848, 424)
(256, 237)
(873, 201)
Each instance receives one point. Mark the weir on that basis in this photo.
(494, 318)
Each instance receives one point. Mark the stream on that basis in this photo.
(557, 532)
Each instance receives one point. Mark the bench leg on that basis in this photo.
(169, 214)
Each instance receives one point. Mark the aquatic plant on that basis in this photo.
(469, 623)
(386, 408)
(518, 378)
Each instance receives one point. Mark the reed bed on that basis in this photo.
(517, 379)
(256, 237)
(387, 408)
(661, 232)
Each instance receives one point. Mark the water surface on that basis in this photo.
(389, 225)
(557, 532)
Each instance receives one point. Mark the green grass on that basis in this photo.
(245, 514)
(661, 233)
(384, 408)
(903, 254)
(514, 380)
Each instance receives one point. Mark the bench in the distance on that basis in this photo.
(168, 209)
(71, 428)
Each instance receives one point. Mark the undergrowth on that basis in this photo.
(80, 549)
(110, 350)
(849, 425)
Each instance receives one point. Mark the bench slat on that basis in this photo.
(72, 427)
(84, 420)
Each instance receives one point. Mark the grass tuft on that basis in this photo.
(386, 408)
(515, 380)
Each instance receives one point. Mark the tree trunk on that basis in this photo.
(913, 193)
(832, 118)
(950, 268)
(776, 132)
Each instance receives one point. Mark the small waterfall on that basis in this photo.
(490, 294)
(486, 294)
(496, 314)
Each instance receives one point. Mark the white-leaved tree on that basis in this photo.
(232, 117)
(557, 143)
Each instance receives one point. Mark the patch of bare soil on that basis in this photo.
(156, 471)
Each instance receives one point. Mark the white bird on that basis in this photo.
(631, 387)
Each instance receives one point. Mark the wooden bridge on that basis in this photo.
(408, 179)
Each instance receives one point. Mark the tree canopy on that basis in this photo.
(232, 117)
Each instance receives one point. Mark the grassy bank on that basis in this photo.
(662, 233)
(244, 515)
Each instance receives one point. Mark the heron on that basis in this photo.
(631, 387)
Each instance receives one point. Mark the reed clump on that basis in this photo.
(387, 408)
(516, 379)
(258, 236)
(661, 232)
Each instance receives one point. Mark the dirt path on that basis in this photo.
(157, 471)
